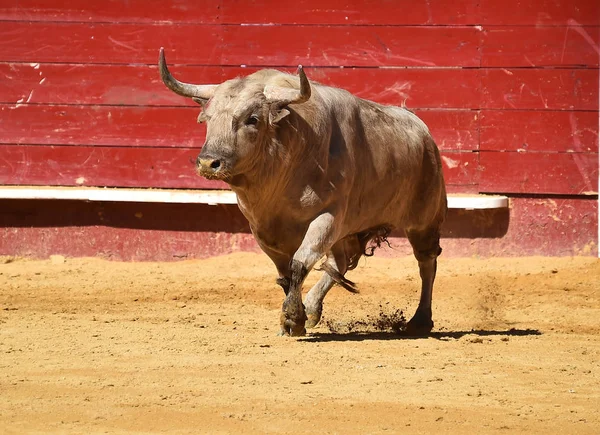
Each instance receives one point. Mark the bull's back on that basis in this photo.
(396, 170)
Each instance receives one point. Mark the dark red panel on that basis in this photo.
(541, 226)
(540, 89)
(166, 126)
(148, 232)
(141, 85)
(137, 167)
(554, 173)
(540, 46)
(102, 125)
(108, 43)
(137, 85)
(101, 166)
(351, 46)
(253, 11)
(377, 12)
(460, 168)
(419, 87)
(147, 11)
(122, 231)
(539, 131)
(241, 45)
(452, 129)
(540, 12)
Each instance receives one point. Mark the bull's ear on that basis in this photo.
(277, 114)
(202, 118)
(203, 102)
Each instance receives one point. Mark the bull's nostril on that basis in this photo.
(215, 164)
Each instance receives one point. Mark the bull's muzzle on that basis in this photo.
(210, 167)
(209, 164)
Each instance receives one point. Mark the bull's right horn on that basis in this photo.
(283, 96)
(184, 89)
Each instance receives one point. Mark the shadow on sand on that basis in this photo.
(321, 337)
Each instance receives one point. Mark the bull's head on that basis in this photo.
(240, 114)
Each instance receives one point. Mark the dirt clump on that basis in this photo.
(387, 321)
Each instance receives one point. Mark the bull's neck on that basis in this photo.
(268, 180)
(263, 181)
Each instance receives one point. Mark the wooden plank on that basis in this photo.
(452, 129)
(238, 45)
(102, 125)
(539, 173)
(140, 167)
(137, 85)
(539, 131)
(540, 46)
(113, 11)
(537, 226)
(375, 12)
(101, 166)
(191, 196)
(182, 196)
(168, 126)
(460, 169)
(539, 89)
(141, 85)
(540, 12)
(159, 232)
(378, 12)
(108, 43)
(148, 232)
(419, 87)
(351, 46)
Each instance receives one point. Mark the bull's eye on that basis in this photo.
(252, 120)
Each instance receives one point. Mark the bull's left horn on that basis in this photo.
(184, 89)
(284, 96)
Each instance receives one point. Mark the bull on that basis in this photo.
(321, 174)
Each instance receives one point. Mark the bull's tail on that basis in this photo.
(339, 278)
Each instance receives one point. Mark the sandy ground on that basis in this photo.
(91, 346)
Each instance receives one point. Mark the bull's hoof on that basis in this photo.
(313, 320)
(313, 316)
(420, 325)
(292, 327)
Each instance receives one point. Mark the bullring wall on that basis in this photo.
(508, 88)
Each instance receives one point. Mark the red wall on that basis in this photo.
(509, 88)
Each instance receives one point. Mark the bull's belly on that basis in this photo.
(396, 210)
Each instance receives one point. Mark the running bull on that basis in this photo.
(320, 173)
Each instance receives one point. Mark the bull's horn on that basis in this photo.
(284, 96)
(185, 89)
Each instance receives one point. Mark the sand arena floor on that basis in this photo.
(91, 346)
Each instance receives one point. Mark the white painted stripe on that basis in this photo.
(212, 197)
(477, 202)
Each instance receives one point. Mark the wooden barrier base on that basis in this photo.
(171, 231)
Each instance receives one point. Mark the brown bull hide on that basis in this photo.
(321, 173)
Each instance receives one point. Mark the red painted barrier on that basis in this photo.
(509, 89)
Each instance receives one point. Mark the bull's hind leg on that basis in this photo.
(426, 248)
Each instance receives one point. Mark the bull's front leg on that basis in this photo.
(318, 240)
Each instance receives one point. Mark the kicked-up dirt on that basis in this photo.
(92, 346)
